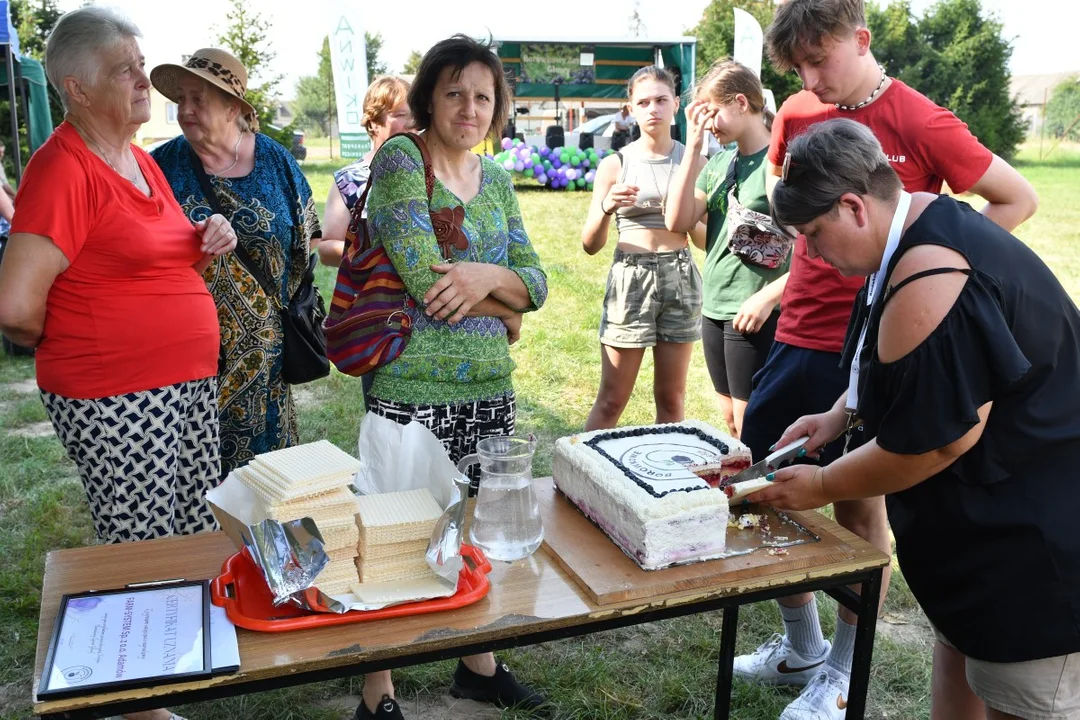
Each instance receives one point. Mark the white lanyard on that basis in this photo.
(873, 290)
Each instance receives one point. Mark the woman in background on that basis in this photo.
(266, 197)
(386, 113)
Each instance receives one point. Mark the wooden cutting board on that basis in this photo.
(608, 575)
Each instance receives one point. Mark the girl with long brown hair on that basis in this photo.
(653, 296)
(745, 264)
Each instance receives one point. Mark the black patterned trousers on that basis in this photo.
(459, 427)
(146, 459)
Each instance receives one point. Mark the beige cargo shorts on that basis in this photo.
(1044, 689)
(651, 298)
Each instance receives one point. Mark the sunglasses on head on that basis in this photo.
(791, 169)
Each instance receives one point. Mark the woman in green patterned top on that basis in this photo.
(454, 375)
(739, 311)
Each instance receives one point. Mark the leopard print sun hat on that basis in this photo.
(214, 65)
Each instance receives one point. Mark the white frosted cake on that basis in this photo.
(639, 486)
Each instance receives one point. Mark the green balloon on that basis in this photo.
(535, 158)
(529, 172)
(580, 182)
(516, 142)
(564, 158)
(589, 187)
(548, 165)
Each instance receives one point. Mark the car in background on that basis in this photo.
(296, 147)
(602, 128)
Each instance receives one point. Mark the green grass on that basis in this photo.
(662, 669)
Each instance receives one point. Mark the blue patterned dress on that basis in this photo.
(273, 214)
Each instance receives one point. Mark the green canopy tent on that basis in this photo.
(28, 76)
(592, 68)
(34, 98)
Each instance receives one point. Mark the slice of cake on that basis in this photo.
(639, 486)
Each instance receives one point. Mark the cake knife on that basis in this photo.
(774, 460)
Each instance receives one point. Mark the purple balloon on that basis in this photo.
(571, 175)
(544, 151)
(590, 176)
(586, 163)
(508, 164)
(542, 179)
(528, 162)
(555, 161)
(519, 166)
(507, 143)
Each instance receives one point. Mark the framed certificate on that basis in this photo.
(145, 635)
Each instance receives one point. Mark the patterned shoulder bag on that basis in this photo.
(752, 236)
(369, 325)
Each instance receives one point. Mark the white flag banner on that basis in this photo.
(748, 41)
(348, 58)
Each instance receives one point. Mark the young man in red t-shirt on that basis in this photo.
(828, 44)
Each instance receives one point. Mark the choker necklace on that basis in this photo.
(236, 157)
(868, 100)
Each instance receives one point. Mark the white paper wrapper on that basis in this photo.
(396, 458)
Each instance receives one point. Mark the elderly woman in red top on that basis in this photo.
(102, 276)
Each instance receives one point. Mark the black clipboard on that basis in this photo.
(103, 616)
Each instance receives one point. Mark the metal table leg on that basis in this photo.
(727, 658)
(864, 646)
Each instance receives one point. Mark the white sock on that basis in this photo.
(803, 630)
(843, 648)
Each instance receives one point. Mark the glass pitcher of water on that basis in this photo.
(506, 523)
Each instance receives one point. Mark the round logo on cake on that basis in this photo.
(665, 460)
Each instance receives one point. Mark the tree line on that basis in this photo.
(954, 53)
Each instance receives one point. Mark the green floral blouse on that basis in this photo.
(470, 360)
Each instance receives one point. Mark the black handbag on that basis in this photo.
(304, 344)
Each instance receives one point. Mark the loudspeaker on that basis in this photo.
(585, 141)
(555, 137)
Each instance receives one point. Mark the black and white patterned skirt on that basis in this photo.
(459, 426)
(146, 458)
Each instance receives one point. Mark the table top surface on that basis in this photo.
(531, 595)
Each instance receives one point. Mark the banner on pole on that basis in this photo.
(348, 59)
(748, 41)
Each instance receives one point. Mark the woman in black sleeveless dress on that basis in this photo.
(966, 357)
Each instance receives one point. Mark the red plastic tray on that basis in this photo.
(241, 589)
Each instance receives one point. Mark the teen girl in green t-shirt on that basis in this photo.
(741, 296)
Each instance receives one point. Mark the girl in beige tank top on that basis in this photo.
(653, 296)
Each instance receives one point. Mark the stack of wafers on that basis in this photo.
(312, 481)
(395, 529)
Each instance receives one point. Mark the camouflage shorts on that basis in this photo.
(651, 298)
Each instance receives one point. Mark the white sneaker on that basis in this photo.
(777, 663)
(825, 698)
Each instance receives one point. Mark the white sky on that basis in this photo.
(1044, 30)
